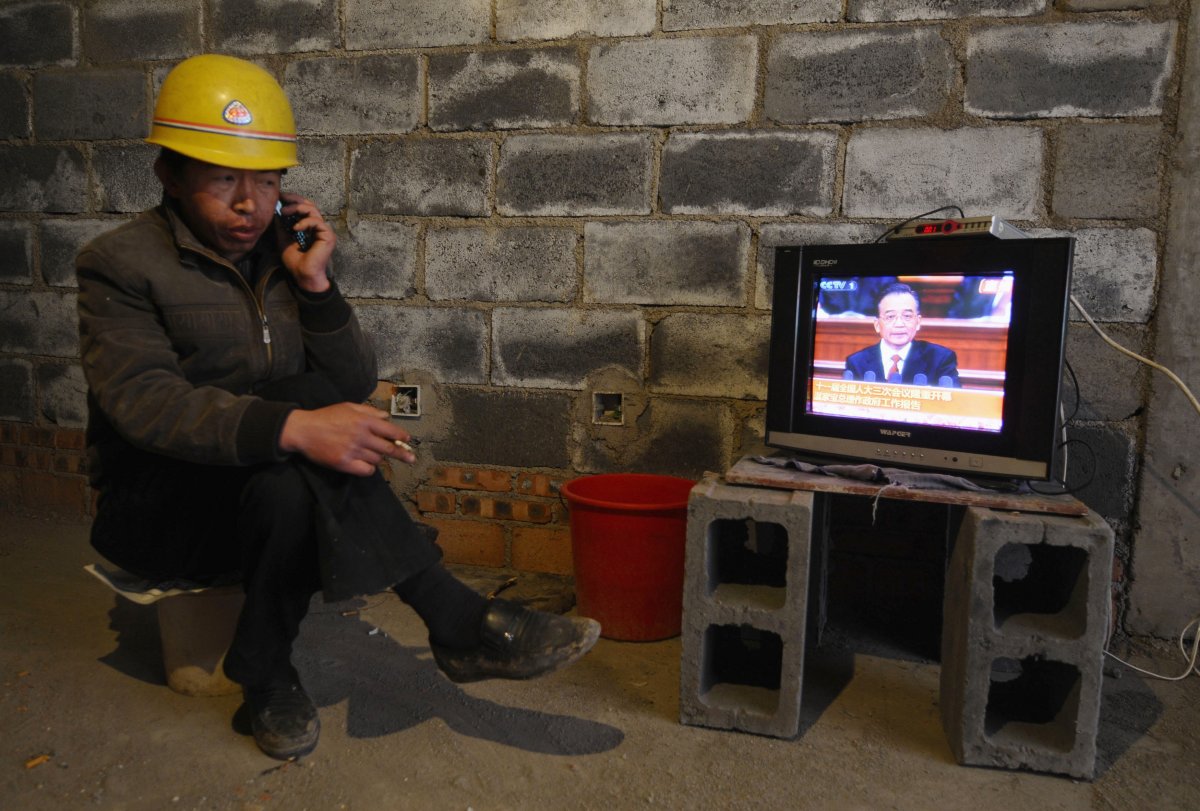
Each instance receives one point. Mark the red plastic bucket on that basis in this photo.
(628, 532)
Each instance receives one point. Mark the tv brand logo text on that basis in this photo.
(891, 432)
(824, 263)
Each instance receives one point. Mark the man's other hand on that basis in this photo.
(349, 437)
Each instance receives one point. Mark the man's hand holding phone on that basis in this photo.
(300, 219)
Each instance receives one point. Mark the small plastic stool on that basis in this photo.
(196, 624)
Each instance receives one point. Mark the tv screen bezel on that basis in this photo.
(1026, 445)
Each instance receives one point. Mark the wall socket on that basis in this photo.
(406, 400)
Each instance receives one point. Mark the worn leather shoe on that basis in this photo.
(283, 718)
(518, 643)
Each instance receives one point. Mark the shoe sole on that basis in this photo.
(287, 748)
(462, 670)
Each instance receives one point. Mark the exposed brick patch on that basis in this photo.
(471, 542)
(431, 501)
(505, 509)
(465, 478)
(542, 549)
(537, 484)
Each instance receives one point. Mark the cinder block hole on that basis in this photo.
(1041, 585)
(742, 668)
(748, 562)
(608, 408)
(1033, 702)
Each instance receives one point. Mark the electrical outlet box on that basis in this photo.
(406, 401)
(608, 408)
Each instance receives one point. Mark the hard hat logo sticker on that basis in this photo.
(236, 113)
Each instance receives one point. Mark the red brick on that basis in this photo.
(542, 549)
(8, 433)
(508, 509)
(433, 501)
(8, 456)
(69, 463)
(464, 478)
(42, 437)
(44, 492)
(471, 542)
(70, 440)
(537, 484)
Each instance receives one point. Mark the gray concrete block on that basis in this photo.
(700, 263)
(118, 30)
(415, 23)
(688, 80)
(889, 172)
(449, 342)
(562, 19)
(90, 104)
(42, 178)
(512, 428)
(1102, 467)
(1111, 386)
(14, 107)
(320, 175)
(16, 246)
(62, 395)
(858, 75)
(36, 323)
(1104, 69)
(16, 390)
(501, 264)
(763, 173)
(61, 240)
(1025, 619)
(422, 177)
(1107, 170)
(273, 26)
(710, 355)
(366, 94)
(877, 11)
(774, 234)
(680, 15)
(745, 606)
(1111, 5)
(125, 180)
(33, 34)
(575, 175)
(504, 89)
(1115, 272)
(559, 348)
(671, 436)
(378, 259)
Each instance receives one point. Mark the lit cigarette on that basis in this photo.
(409, 446)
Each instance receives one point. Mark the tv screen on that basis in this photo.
(940, 354)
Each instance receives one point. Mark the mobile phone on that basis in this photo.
(302, 238)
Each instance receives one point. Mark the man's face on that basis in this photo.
(227, 209)
(898, 319)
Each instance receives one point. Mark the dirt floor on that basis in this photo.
(86, 721)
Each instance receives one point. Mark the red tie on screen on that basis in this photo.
(895, 370)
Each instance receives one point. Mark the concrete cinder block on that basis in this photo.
(889, 173)
(1025, 619)
(366, 94)
(1107, 171)
(422, 177)
(273, 26)
(118, 30)
(42, 178)
(710, 355)
(535, 429)
(63, 395)
(770, 174)
(686, 80)
(878, 11)
(1114, 274)
(671, 436)
(35, 323)
(1111, 5)
(89, 104)
(700, 263)
(1104, 475)
(14, 107)
(16, 246)
(320, 175)
(575, 175)
(858, 75)
(558, 349)
(1104, 69)
(775, 234)
(61, 240)
(125, 180)
(501, 264)
(680, 15)
(745, 608)
(378, 259)
(504, 89)
(1097, 365)
(449, 342)
(415, 23)
(16, 390)
(562, 19)
(33, 34)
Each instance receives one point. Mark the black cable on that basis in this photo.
(1073, 490)
(896, 228)
(1078, 398)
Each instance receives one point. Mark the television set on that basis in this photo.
(976, 390)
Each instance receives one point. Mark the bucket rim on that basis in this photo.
(574, 497)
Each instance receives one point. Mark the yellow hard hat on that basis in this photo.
(226, 111)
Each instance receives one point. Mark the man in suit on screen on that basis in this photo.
(897, 358)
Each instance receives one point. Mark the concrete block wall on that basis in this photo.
(543, 199)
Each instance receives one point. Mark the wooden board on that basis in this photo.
(747, 471)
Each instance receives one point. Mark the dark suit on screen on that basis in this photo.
(933, 361)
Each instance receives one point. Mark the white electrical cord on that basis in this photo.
(1189, 657)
